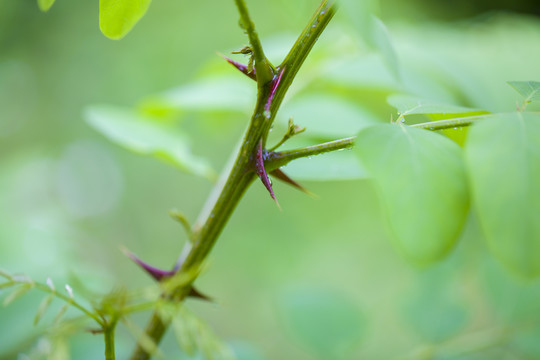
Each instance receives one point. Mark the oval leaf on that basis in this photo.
(422, 183)
(503, 159)
(117, 17)
(143, 135)
(45, 5)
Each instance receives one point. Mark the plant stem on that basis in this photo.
(236, 179)
(276, 160)
(108, 334)
(263, 69)
(451, 123)
(70, 301)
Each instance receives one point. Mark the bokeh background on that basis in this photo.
(319, 279)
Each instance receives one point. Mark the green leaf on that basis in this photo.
(45, 5)
(61, 312)
(409, 105)
(143, 339)
(17, 293)
(223, 93)
(43, 307)
(421, 179)
(141, 134)
(195, 336)
(372, 30)
(380, 40)
(117, 17)
(328, 323)
(530, 90)
(503, 159)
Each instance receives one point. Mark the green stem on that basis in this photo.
(450, 123)
(263, 69)
(108, 334)
(276, 160)
(69, 300)
(236, 178)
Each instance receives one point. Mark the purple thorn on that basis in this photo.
(279, 174)
(156, 273)
(197, 294)
(261, 172)
(275, 85)
(243, 68)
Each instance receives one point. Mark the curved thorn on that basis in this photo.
(279, 174)
(241, 67)
(275, 84)
(197, 294)
(261, 172)
(156, 273)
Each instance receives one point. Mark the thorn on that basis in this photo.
(156, 273)
(261, 172)
(197, 294)
(279, 174)
(239, 66)
(275, 85)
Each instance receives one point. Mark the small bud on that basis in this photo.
(50, 284)
(69, 291)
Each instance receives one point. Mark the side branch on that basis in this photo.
(450, 123)
(275, 160)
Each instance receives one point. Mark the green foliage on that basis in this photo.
(372, 31)
(208, 94)
(420, 176)
(45, 5)
(422, 181)
(194, 337)
(117, 17)
(146, 135)
(503, 160)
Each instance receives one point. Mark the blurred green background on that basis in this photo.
(319, 279)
